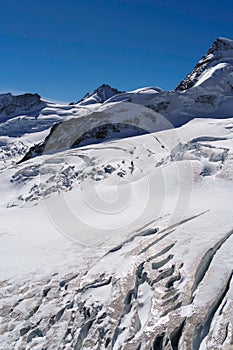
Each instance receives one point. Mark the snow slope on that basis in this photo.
(116, 227)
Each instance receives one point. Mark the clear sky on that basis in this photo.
(65, 48)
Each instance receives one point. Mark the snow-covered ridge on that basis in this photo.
(11, 105)
(116, 120)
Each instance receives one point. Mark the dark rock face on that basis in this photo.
(24, 330)
(215, 53)
(106, 132)
(220, 44)
(38, 149)
(35, 333)
(10, 104)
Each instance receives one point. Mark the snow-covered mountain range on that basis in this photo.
(116, 212)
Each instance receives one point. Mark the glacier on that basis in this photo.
(116, 214)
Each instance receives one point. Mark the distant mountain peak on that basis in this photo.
(99, 95)
(221, 51)
(106, 87)
(11, 105)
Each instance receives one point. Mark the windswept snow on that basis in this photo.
(208, 73)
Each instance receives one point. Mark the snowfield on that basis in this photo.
(116, 212)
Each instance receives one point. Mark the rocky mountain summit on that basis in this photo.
(11, 105)
(220, 52)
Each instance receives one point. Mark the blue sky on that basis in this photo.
(63, 49)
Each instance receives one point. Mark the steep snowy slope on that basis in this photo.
(116, 228)
(220, 53)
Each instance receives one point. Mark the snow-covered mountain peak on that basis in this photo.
(99, 95)
(220, 52)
